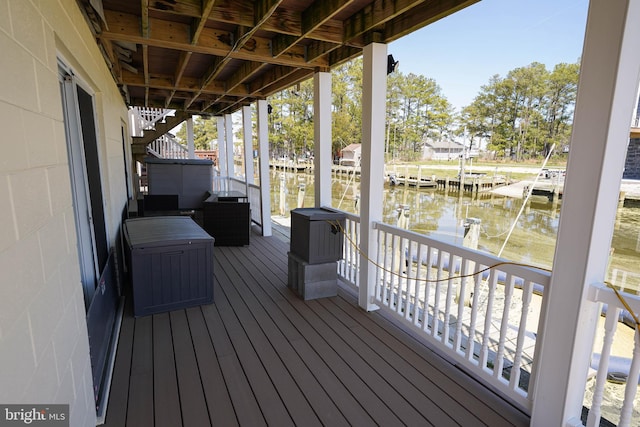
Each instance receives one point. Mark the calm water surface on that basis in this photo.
(441, 216)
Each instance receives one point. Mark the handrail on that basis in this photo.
(167, 147)
(145, 118)
(612, 368)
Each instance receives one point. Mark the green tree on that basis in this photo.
(204, 131)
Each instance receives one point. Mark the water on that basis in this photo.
(441, 216)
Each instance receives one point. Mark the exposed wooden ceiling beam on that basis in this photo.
(376, 14)
(172, 35)
(311, 19)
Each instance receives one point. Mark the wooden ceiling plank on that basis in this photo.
(321, 11)
(422, 15)
(376, 14)
(202, 21)
(190, 8)
(317, 49)
(246, 71)
(311, 19)
(273, 75)
(171, 35)
(144, 19)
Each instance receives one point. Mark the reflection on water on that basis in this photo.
(441, 216)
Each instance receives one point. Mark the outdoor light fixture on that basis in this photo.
(269, 108)
(391, 64)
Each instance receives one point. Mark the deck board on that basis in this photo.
(259, 355)
(165, 386)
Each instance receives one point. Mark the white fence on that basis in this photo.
(613, 391)
(349, 265)
(483, 313)
(478, 310)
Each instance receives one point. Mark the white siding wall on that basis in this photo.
(44, 354)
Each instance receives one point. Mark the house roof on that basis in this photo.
(443, 144)
(214, 56)
(352, 147)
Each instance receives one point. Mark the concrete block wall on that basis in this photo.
(44, 351)
(632, 163)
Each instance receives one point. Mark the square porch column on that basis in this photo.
(374, 98)
(228, 140)
(607, 91)
(263, 164)
(221, 161)
(247, 140)
(322, 159)
(191, 149)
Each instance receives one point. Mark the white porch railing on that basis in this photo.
(618, 375)
(349, 265)
(167, 147)
(141, 118)
(485, 319)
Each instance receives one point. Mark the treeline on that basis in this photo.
(518, 116)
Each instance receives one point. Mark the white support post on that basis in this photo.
(191, 150)
(374, 97)
(609, 77)
(221, 165)
(263, 164)
(247, 138)
(322, 138)
(228, 136)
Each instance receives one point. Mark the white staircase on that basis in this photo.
(142, 118)
(167, 147)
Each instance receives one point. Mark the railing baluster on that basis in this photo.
(527, 291)
(504, 327)
(449, 301)
(427, 289)
(457, 342)
(488, 320)
(435, 325)
(386, 283)
(416, 288)
(632, 383)
(406, 262)
(610, 326)
(474, 312)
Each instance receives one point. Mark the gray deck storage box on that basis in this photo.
(313, 238)
(171, 263)
(190, 179)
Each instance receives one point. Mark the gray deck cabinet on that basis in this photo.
(171, 263)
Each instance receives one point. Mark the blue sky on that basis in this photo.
(461, 52)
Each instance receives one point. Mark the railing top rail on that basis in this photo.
(349, 215)
(539, 276)
(600, 292)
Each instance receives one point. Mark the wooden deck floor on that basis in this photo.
(261, 356)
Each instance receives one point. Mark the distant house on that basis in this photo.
(351, 155)
(441, 150)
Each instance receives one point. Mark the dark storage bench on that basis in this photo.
(227, 217)
(171, 263)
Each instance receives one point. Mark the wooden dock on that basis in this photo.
(472, 184)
